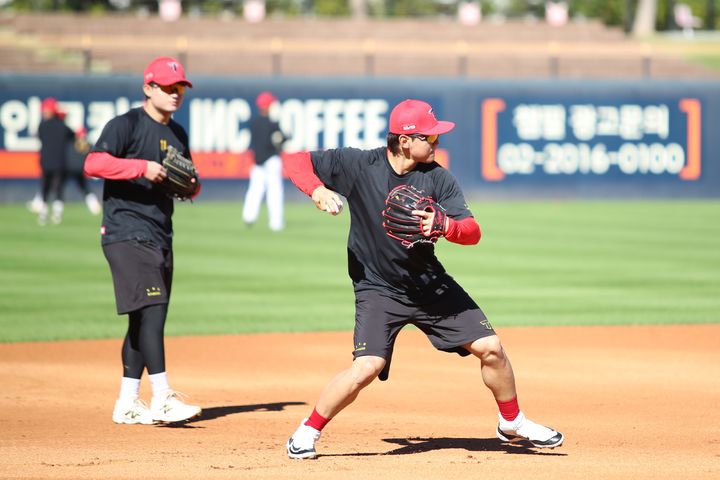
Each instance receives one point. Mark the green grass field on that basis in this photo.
(539, 263)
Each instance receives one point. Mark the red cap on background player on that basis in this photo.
(265, 99)
(416, 116)
(50, 105)
(166, 71)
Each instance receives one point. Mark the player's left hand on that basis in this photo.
(412, 217)
(181, 180)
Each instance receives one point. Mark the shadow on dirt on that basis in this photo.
(212, 413)
(409, 446)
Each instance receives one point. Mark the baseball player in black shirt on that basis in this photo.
(137, 236)
(396, 285)
(54, 136)
(266, 176)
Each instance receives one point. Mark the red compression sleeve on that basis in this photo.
(316, 421)
(510, 409)
(300, 170)
(464, 232)
(104, 165)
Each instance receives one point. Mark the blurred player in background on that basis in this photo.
(137, 236)
(54, 136)
(266, 178)
(77, 150)
(396, 285)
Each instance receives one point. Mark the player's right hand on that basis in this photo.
(327, 200)
(155, 172)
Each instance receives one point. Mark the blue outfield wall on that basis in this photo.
(513, 138)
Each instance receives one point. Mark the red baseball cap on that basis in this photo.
(416, 116)
(265, 99)
(166, 71)
(49, 104)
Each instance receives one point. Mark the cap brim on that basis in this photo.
(439, 129)
(172, 81)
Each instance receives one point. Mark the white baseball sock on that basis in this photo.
(159, 382)
(129, 389)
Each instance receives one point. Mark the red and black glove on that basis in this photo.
(402, 225)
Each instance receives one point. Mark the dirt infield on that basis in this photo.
(633, 402)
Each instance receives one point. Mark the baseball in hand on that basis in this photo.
(334, 206)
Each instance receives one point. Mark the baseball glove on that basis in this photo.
(182, 179)
(402, 225)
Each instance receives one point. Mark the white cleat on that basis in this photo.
(57, 212)
(523, 428)
(93, 204)
(302, 443)
(35, 205)
(170, 409)
(132, 412)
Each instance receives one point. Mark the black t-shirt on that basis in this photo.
(266, 138)
(54, 137)
(376, 261)
(137, 209)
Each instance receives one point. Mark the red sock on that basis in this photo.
(510, 409)
(316, 421)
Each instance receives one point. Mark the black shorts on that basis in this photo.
(450, 322)
(141, 272)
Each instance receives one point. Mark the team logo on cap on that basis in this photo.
(173, 65)
(408, 127)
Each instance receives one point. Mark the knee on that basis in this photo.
(366, 369)
(488, 349)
